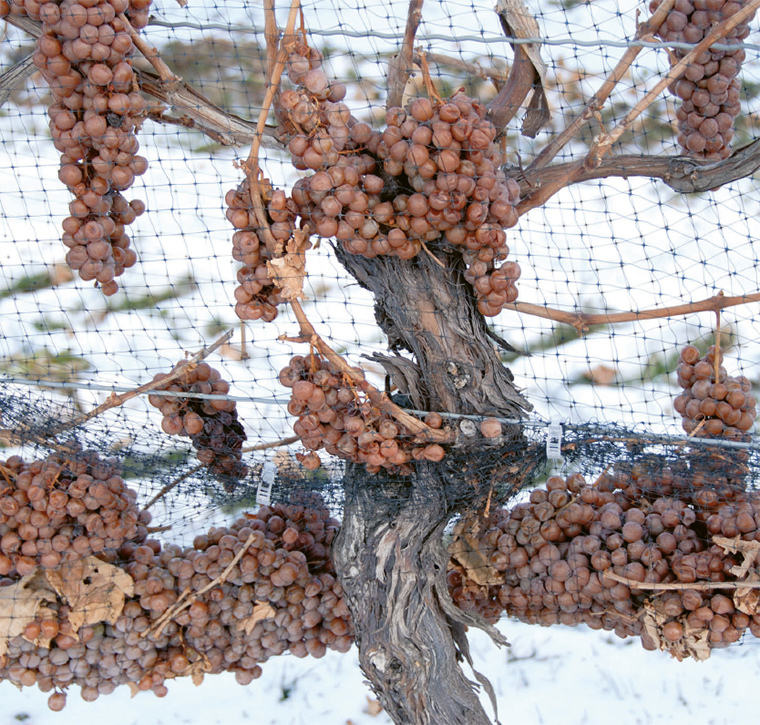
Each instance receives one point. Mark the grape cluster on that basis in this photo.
(334, 413)
(83, 54)
(212, 425)
(720, 407)
(550, 559)
(257, 297)
(433, 175)
(59, 510)
(280, 596)
(709, 88)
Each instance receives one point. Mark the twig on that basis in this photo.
(258, 447)
(179, 605)
(433, 94)
(605, 142)
(19, 437)
(251, 165)
(596, 102)
(678, 586)
(473, 69)
(151, 54)
(382, 401)
(717, 344)
(272, 444)
(15, 77)
(400, 65)
(115, 401)
(432, 256)
(581, 321)
(170, 486)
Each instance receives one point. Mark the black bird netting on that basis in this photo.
(327, 225)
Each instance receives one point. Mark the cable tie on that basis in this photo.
(554, 440)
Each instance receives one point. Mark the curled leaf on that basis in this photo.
(288, 272)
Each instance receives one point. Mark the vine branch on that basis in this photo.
(581, 321)
(683, 174)
(679, 586)
(400, 65)
(194, 109)
(15, 77)
(251, 165)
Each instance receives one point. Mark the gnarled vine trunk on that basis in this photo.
(390, 555)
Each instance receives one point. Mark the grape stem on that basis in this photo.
(151, 54)
(581, 321)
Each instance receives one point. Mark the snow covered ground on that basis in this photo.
(547, 676)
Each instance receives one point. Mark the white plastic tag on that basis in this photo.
(264, 489)
(554, 441)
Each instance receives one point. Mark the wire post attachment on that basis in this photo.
(264, 489)
(554, 440)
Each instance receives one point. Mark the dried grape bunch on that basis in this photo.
(709, 87)
(335, 413)
(212, 425)
(280, 596)
(62, 509)
(433, 175)
(83, 55)
(574, 553)
(713, 403)
(257, 296)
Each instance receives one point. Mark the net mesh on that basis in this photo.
(609, 245)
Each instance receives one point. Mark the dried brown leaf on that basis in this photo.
(288, 272)
(467, 550)
(95, 591)
(133, 689)
(749, 549)
(374, 708)
(261, 611)
(747, 600)
(694, 643)
(20, 604)
(197, 678)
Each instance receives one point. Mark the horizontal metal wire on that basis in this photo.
(601, 431)
(346, 32)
